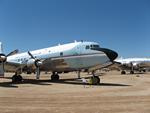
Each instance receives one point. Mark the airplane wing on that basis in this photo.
(144, 64)
(100, 66)
(11, 66)
(117, 66)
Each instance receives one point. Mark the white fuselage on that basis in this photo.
(136, 63)
(67, 57)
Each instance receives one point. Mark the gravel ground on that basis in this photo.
(116, 94)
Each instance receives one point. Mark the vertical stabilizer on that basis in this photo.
(1, 47)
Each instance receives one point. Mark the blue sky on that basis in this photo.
(122, 25)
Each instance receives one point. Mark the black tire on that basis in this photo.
(19, 78)
(16, 78)
(123, 72)
(131, 72)
(95, 80)
(144, 71)
(55, 77)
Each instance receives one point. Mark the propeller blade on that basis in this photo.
(37, 64)
(31, 55)
(13, 52)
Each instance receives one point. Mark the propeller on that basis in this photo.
(37, 63)
(3, 58)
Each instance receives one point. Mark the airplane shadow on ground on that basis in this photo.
(72, 81)
(8, 85)
(25, 81)
(79, 82)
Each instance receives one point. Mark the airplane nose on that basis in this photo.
(112, 55)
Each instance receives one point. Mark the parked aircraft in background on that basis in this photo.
(61, 58)
(133, 64)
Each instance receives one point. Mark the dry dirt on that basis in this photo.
(116, 94)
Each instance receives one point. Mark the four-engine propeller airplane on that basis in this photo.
(61, 58)
(133, 64)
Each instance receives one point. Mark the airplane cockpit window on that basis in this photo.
(94, 46)
(87, 47)
(61, 53)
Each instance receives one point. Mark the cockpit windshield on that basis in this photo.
(92, 46)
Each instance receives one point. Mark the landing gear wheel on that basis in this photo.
(97, 79)
(131, 72)
(94, 80)
(19, 78)
(16, 78)
(123, 72)
(55, 77)
(144, 71)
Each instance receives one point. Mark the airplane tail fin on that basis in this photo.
(2, 60)
(1, 47)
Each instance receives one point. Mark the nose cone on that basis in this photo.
(112, 55)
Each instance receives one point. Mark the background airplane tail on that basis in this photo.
(2, 57)
(1, 48)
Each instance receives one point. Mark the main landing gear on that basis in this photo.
(131, 72)
(16, 78)
(123, 72)
(55, 76)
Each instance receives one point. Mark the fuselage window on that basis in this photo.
(61, 53)
(87, 47)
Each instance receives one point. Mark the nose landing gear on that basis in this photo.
(94, 80)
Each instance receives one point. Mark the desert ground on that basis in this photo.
(116, 94)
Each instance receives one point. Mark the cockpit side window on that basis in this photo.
(87, 47)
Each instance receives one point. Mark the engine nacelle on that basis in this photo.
(3, 58)
(38, 63)
(34, 63)
(31, 62)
